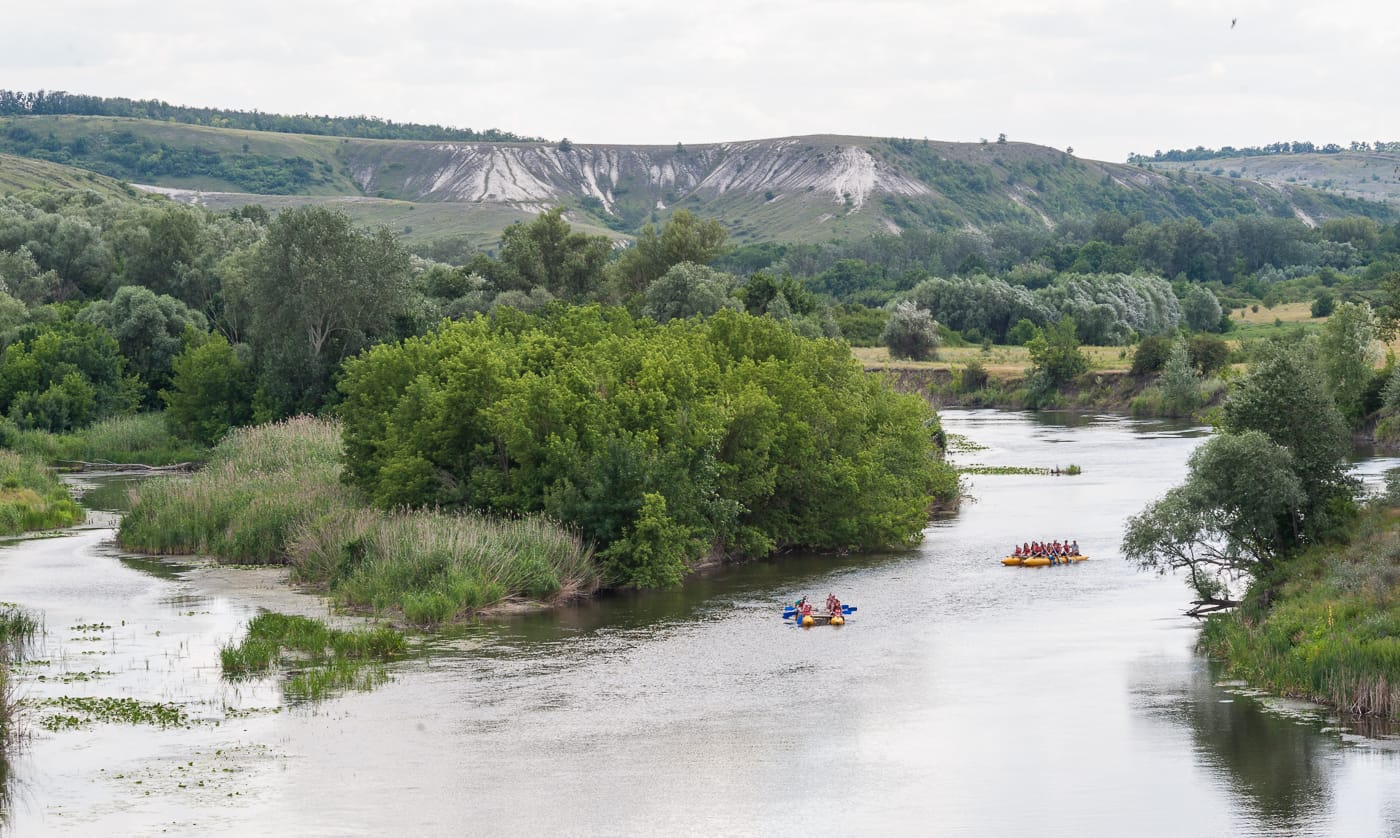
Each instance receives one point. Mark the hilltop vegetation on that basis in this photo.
(17, 103)
(794, 189)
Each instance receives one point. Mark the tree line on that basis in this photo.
(20, 103)
(1177, 155)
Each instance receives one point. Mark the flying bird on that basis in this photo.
(1233, 21)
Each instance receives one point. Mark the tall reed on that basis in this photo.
(32, 497)
(273, 494)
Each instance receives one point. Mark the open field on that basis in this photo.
(1001, 361)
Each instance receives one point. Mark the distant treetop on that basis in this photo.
(1177, 155)
(17, 103)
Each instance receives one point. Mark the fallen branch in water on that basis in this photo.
(1202, 607)
(83, 465)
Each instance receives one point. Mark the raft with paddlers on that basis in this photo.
(802, 613)
(1041, 561)
(1044, 554)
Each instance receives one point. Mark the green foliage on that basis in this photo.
(1201, 310)
(1055, 355)
(31, 497)
(211, 391)
(1151, 354)
(972, 377)
(989, 305)
(689, 290)
(911, 333)
(1348, 353)
(547, 253)
(1232, 515)
(142, 438)
(1209, 353)
(747, 437)
(148, 329)
(1285, 397)
(1181, 386)
(860, 326)
(1323, 305)
(274, 494)
(1331, 634)
(1022, 333)
(64, 376)
(685, 238)
(321, 291)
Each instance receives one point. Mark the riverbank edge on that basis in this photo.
(1330, 632)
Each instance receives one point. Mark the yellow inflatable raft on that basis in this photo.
(1040, 561)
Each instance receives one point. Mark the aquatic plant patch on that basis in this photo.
(322, 661)
(1055, 471)
(74, 712)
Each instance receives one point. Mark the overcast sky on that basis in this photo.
(1107, 78)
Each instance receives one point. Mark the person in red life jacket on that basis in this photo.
(1017, 551)
(835, 607)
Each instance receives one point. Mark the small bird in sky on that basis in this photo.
(1233, 21)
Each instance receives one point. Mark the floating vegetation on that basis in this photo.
(1053, 471)
(79, 712)
(76, 677)
(91, 627)
(959, 444)
(324, 661)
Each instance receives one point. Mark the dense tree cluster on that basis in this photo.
(19, 103)
(660, 443)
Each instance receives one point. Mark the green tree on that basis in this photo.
(1151, 354)
(911, 333)
(149, 330)
(685, 238)
(320, 290)
(689, 290)
(1181, 386)
(1201, 310)
(1230, 518)
(64, 376)
(210, 392)
(1209, 353)
(1348, 354)
(1285, 397)
(547, 252)
(1055, 356)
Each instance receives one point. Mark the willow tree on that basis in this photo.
(320, 291)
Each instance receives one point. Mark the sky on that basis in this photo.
(1106, 78)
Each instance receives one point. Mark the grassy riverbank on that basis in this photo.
(1332, 634)
(142, 438)
(32, 497)
(273, 494)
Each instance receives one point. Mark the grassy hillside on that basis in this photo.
(1372, 175)
(792, 189)
(20, 173)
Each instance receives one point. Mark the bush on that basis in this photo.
(911, 333)
(972, 377)
(1151, 354)
(1323, 305)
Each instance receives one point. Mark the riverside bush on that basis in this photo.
(660, 443)
(274, 494)
(31, 497)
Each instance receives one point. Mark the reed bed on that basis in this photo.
(273, 494)
(143, 438)
(32, 497)
(17, 630)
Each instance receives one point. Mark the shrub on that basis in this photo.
(911, 333)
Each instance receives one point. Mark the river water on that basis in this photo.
(962, 698)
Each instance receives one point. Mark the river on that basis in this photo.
(962, 698)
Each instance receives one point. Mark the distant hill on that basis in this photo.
(791, 189)
(1370, 175)
(21, 173)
